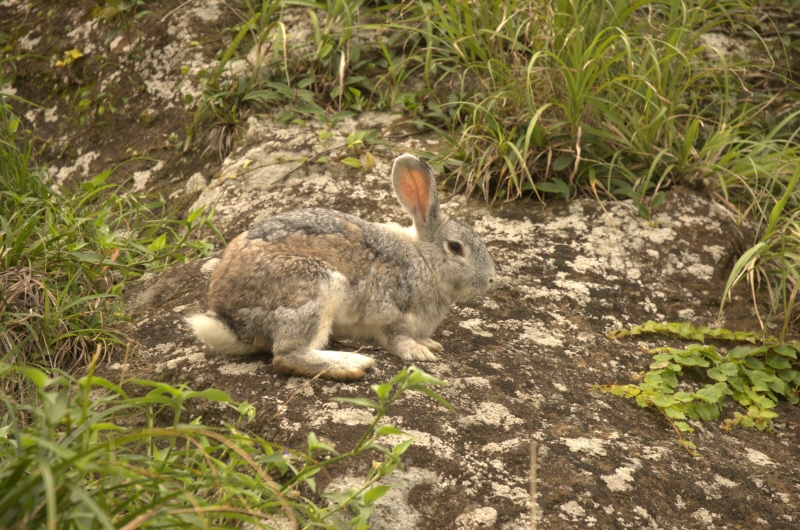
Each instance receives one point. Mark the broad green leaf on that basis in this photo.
(158, 244)
(658, 199)
(38, 377)
(674, 413)
(740, 352)
(759, 380)
(194, 214)
(555, 186)
(375, 493)
(382, 391)
(401, 448)
(683, 426)
(729, 369)
(352, 162)
(563, 162)
(778, 362)
(778, 386)
(713, 393)
(786, 351)
(753, 363)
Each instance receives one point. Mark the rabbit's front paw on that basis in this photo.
(432, 345)
(410, 350)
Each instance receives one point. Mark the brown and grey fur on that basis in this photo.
(295, 279)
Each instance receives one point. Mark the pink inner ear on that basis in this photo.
(414, 189)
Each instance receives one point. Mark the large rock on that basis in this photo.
(520, 362)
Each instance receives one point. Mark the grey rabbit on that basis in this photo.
(295, 279)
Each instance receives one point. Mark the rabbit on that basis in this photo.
(294, 280)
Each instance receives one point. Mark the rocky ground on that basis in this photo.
(520, 362)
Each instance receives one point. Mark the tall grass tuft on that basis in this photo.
(66, 256)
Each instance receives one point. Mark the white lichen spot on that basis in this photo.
(140, 178)
(717, 251)
(784, 497)
(723, 44)
(700, 271)
(50, 114)
(241, 368)
(704, 517)
(758, 458)
(194, 359)
(493, 447)
(621, 478)
(573, 510)
(516, 494)
(634, 274)
(654, 452)
(474, 325)
(350, 416)
(196, 182)
(495, 229)
(484, 517)
(393, 510)
(488, 303)
(28, 44)
(81, 167)
(432, 443)
(478, 382)
(493, 414)
(660, 236)
(722, 481)
(592, 446)
(539, 334)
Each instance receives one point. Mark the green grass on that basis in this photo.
(88, 454)
(66, 257)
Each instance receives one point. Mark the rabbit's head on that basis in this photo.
(449, 247)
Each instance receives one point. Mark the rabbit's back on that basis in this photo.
(289, 259)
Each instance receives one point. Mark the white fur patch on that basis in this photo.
(218, 335)
(406, 231)
(344, 360)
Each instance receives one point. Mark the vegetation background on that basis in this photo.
(552, 100)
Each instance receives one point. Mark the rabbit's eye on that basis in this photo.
(455, 247)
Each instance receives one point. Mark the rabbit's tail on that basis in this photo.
(218, 335)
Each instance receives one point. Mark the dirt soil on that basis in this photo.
(520, 363)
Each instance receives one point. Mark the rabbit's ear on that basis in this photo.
(415, 188)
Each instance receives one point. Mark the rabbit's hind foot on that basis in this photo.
(332, 365)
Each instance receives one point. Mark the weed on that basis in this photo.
(775, 259)
(67, 256)
(72, 458)
(753, 376)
